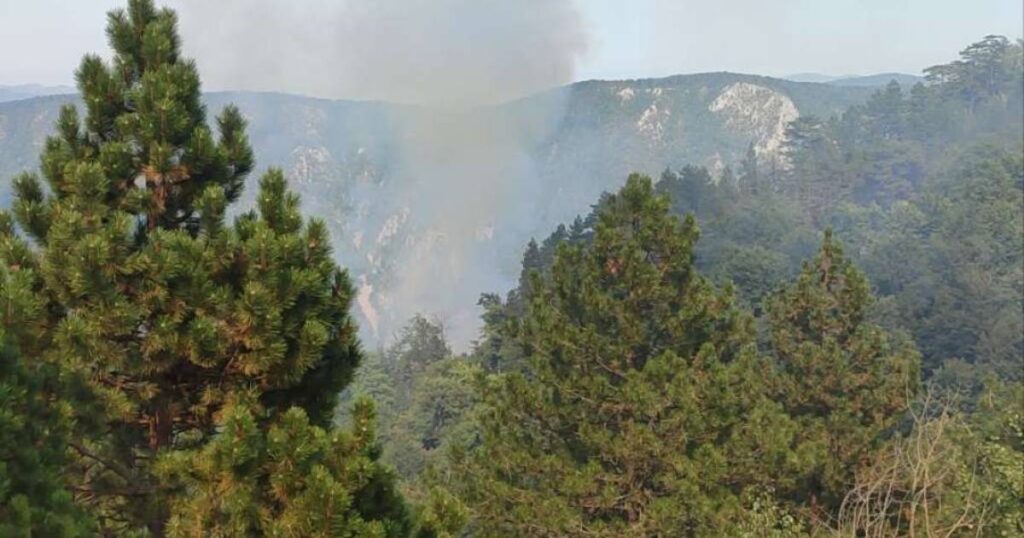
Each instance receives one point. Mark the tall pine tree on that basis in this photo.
(643, 409)
(844, 379)
(186, 328)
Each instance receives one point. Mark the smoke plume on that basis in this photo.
(448, 52)
(464, 173)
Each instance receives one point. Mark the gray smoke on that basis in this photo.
(450, 52)
(464, 174)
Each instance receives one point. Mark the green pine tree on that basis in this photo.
(643, 410)
(817, 175)
(420, 344)
(845, 380)
(293, 479)
(187, 328)
(533, 261)
(35, 421)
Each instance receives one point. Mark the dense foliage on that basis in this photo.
(166, 372)
(640, 406)
(422, 393)
(35, 423)
(212, 354)
(840, 377)
(926, 187)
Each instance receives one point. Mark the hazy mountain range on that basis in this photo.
(430, 207)
(879, 79)
(26, 91)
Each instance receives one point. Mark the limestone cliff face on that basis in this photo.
(656, 119)
(760, 112)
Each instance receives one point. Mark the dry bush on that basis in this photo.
(922, 485)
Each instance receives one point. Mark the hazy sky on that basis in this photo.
(42, 40)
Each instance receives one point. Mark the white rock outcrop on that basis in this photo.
(758, 111)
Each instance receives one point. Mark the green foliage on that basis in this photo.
(439, 415)
(179, 373)
(984, 70)
(172, 316)
(765, 517)
(293, 479)
(389, 376)
(421, 344)
(884, 150)
(642, 408)
(932, 216)
(425, 397)
(752, 237)
(841, 378)
(926, 188)
(960, 293)
(998, 431)
(442, 516)
(35, 424)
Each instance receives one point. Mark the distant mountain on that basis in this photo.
(428, 208)
(812, 77)
(881, 79)
(867, 81)
(27, 91)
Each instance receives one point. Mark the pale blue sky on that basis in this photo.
(42, 40)
(778, 37)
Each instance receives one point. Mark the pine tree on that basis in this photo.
(579, 230)
(981, 72)
(421, 343)
(532, 261)
(293, 479)
(642, 411)
(885, 112)
(395, 379)
(844, 379)
(442, 400)
(817, 175)
(35, 422)
(750, 180)
(185, 327)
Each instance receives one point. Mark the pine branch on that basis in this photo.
(117, 469)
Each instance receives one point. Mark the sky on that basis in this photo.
(365, 49)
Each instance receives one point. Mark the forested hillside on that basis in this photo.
(395, 184)
(907, 339)
(810, 324)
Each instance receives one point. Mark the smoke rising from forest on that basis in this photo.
(439, 52)
(461, 177)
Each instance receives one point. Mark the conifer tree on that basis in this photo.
(35, 423)
(293, 479)
(750, 181)
(421, 343)
(578, 231)
(844, 379)
(643, 409)
(187, 328)
(533, 261)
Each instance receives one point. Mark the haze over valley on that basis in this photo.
(528, 269)
(430, 207)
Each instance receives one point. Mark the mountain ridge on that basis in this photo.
(428, 208)
(873, 80)
(14, 92)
